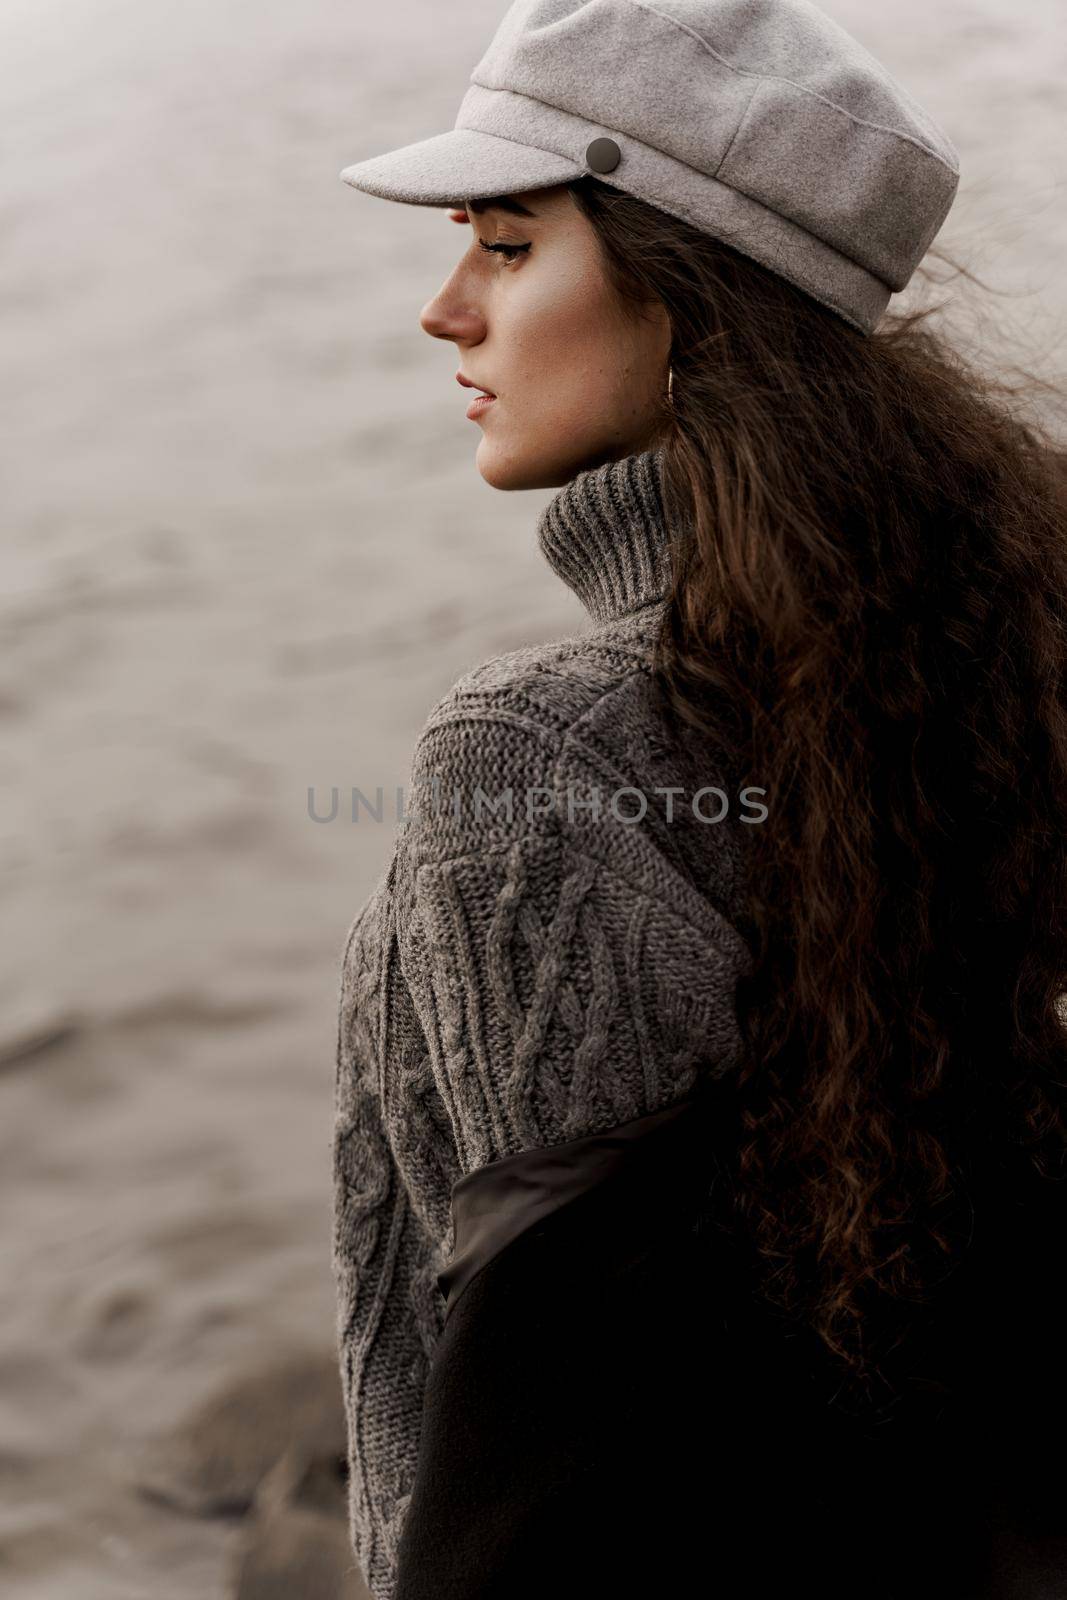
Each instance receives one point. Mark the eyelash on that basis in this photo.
(509, 252)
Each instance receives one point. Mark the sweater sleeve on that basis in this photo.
(389, 1230)
(520, 978)
(566, 974)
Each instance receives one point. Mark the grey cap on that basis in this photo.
(761, 122)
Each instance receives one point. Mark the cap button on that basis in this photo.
(603, 155)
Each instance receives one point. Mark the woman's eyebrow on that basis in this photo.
(503, 202)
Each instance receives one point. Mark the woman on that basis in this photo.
(701, 1085)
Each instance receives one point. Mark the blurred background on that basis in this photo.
(245, 548)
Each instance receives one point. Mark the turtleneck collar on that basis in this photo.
(605, 534)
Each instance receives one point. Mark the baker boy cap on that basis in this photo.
(761, 122)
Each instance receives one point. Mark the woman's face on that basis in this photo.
(576, 374)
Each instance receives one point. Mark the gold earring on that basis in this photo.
(670, 386)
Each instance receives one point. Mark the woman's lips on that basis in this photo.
(479, 404)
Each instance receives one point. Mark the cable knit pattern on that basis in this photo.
(521, 979)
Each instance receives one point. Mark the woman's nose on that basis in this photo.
(442, 319)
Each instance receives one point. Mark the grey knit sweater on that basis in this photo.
(520, 980)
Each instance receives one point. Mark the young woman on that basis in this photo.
(702, 1060)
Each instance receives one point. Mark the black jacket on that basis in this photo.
(612, 1411)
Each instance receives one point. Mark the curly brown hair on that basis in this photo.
(870, 613)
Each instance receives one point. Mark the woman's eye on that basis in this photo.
(509, 252)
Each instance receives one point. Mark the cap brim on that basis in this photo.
(459, 165)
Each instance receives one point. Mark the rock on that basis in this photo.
(297, 1542)
(297, 1552)
(289, 1410)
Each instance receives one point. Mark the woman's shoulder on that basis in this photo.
(493, 749)
(548, 686)
(563, 748)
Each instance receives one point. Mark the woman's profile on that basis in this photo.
(702, 1052)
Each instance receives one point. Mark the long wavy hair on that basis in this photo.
(870, 615)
